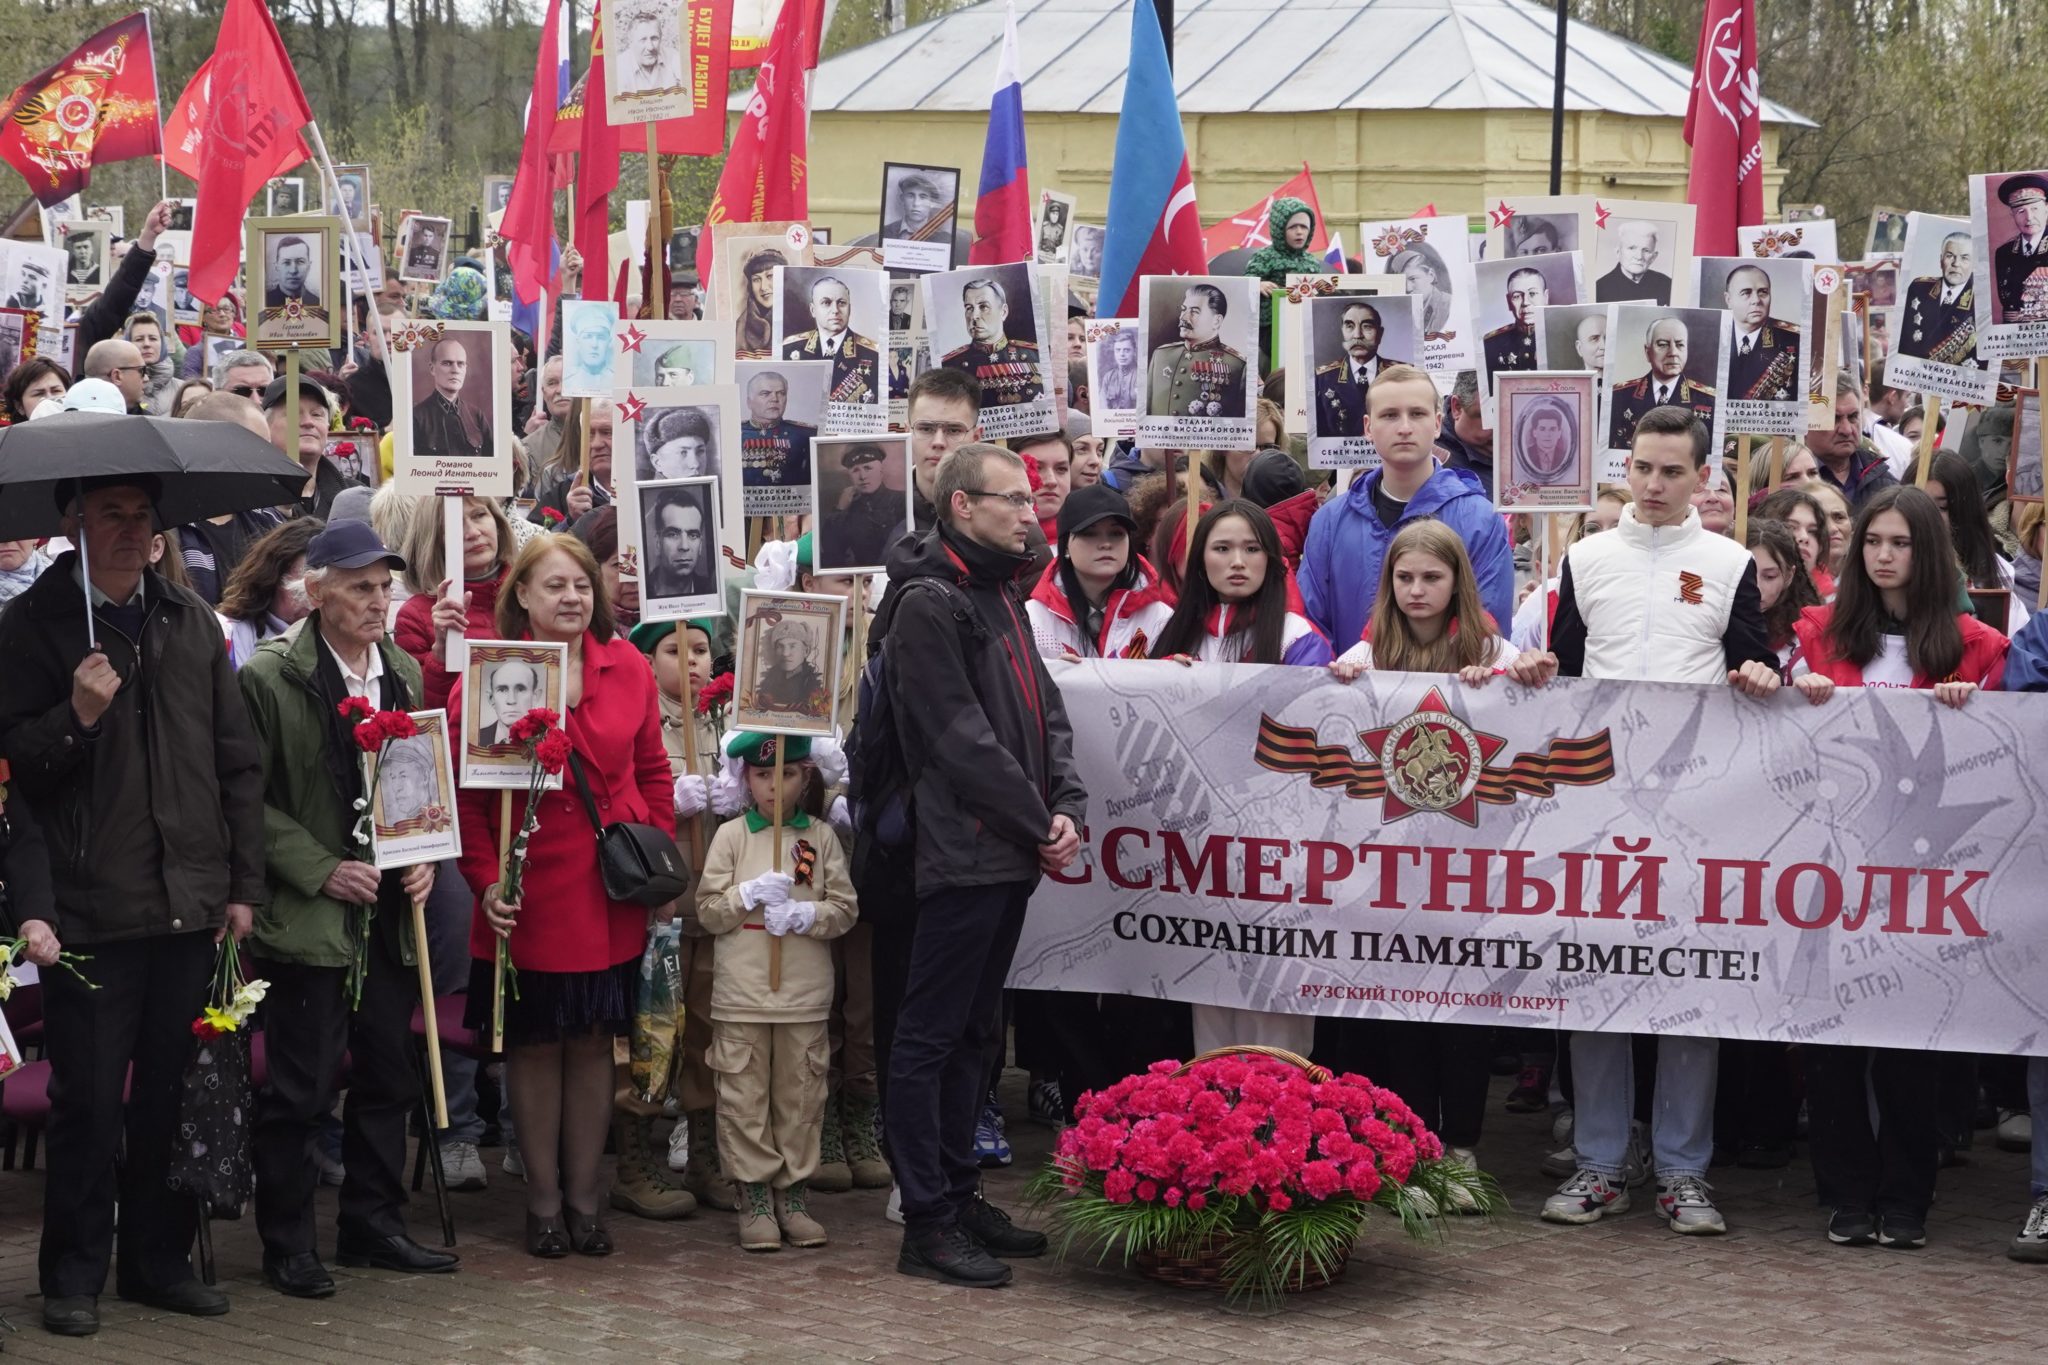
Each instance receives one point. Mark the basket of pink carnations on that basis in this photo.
(1249, 1170)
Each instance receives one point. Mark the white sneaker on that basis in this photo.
(679, 1146)
(1586, 1198)
(1687, 1203)
(463, 1166)
(2015, 1130)
(1561, 1130)
(1462, 1200)
(513, 1165)
(2032, 1243)
(894, 1213)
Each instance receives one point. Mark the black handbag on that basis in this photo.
(639, 863)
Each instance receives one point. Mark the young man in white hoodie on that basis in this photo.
(1658, 599)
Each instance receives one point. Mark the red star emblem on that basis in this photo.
(630, 339)
(1501, 216)
(630, 408)
(1431, 760)
(1601, 213)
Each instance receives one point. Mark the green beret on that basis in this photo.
(648, 635)
(757, 750)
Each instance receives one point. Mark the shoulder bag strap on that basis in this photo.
(583, 789)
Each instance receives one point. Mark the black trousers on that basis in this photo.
(950, 1016)
(307, 1027)
(1441, 1070)
(150, 991)
(1756, 1100)
(1891, 1170)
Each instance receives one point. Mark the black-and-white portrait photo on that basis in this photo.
(1084, 251)
(1769, 303)
(984, 322)
(1116, 381)
(919, 207)
(285, 197)
(291, 267)
(86, 248)
(1663, 357)
(355, 197)
(423, 249)
(671, 355)
(1435, 265)
(455, 395)
(789, 645)
(1540, 234)
(1055, 212)
(32, 279)
(835, 314)
(785, 410)
(1573, 337)
(1633, 259)
(863, 502)
(497, 193)
(679, 442)
(14, 332)
(1350, 341)
(647, 66)
(502, 682)
(181, 214)
(679, 557)
(1508, 293)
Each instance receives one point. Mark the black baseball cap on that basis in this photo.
(309, 390)
(349, 545)
(1086, 506)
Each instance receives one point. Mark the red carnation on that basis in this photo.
(549, 516)
(356, 709)
(717, 692)
(397, 724)
(361, 424)
(204, 1031)
(552, 752)
(533, 725)
(369, 734)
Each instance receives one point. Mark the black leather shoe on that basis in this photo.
(75, 1316)
(186, 1296)
(991, 1227)
(300, 1275)
(394, 1253)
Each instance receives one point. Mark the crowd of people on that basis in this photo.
(183, 775)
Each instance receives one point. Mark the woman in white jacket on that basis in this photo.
(1099, 599)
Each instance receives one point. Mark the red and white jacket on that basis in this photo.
(1984, 651)
(1131, 619)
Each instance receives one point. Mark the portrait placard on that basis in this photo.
(1054, 220)
(451, 393)
(504, 680)
(59, 344)
(362, 262)
(354, 182)
(2023, 480)
(1658, 357)
(154, 297)
(1350, 339)
(1289, 321)
(1641, 251)
(788, 662)
(354, 453)
(1201, 341)
(2009, 232)
(20, 330)
(834, 314)
(681, 565)
(1934, 330)
(671, 355)
(1544, 442)
(113, 215)
(1886, 235)
(1539, 225)
(1810, 239)
(284, 197)
(587, 346)
(920, 206)
(1509, 293)
(862, 502)
(1084, 252)
(293, 277)
(87, 260)
(745, 283)
(413, 817)
(666, 61)
(1432, 257)
(423, 249)
(681, 433)
(1769, 302)
(987, 323)
(31, 277)
(1116, 378)
(181, 215)
(784, 411)
(497, 193)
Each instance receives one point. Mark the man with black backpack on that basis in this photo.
(964, 779)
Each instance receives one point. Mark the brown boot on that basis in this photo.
(758, 1228)
(703, 1177)
(833, 1175)
(863, 1148)
(798, 1226)
(642, 1186)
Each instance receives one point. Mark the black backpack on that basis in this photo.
(881, 788)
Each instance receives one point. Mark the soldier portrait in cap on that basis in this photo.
(789, 645)
(1541, 234)
(986, 323)
(284, 197)
(423, 249)
(291, 267)
(1055, 212)
(919, 206)
(1545, 459)
(355, 197)
(668, 354)
(646, 64)
(783, 409)
(1200, 376)
(86, 250)
(676, 443)
(832, 314)
(34, 276)
(414, 817)
(502, 681)
(679, 556)
(863, 502)
(587, 326)
(2016, 227)
(1887, 233)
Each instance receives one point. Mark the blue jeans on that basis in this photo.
(1681, 1118)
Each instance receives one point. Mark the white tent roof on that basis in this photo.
(1264, 56)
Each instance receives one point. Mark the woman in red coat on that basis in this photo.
(429, 614)
(577, 952)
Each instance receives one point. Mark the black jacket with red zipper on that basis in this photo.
(984, 732)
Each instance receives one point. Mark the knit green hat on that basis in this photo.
(648, 635)
(757, 750)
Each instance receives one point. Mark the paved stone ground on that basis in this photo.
(1518, 1290)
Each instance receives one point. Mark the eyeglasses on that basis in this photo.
(952, 431)
(246, 390)
(122, 369)
(1018, 501)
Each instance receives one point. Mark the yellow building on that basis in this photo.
(1393, 104)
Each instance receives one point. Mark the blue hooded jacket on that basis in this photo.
(2026, 663)
(1340, 565)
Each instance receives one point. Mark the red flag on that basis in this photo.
(95, 107)
(597, 170)
(1724, 128)
(185, 128)
(1249, 228)
(256, 110)
(766, 176)
(529, 221)
(750, 42)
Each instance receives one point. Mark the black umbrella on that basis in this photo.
(201, 469)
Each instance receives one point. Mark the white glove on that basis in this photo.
(728, 797)
(693, 793)
(775, 566)
(768, 889)
(831, 761)
(790, 917)
(840, 818)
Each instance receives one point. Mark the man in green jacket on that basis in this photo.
(328, 908)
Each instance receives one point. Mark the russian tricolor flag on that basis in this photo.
(1154, 227)
(1002, 205)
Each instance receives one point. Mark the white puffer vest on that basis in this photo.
(1656, 600)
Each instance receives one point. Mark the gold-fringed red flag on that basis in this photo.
(95, 107)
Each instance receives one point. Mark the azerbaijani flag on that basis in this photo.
(1154, 226)
(1002, 205)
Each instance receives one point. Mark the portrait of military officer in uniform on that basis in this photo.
(1006, 366)
(1118, 384)
(1763, 359)
(422, 249)
(1667, 347)
(451, 415)
(1938, 321)
(1198, 375)
(826, 300)
(1513, 347)
(2019, 264)
(862, 509)
(774, 451)
(1341, 380)
(587, 357)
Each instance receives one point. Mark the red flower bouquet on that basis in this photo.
(1263, 1166)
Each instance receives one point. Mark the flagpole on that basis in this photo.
(332, 186)
(1556, 102)
(156, 94)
